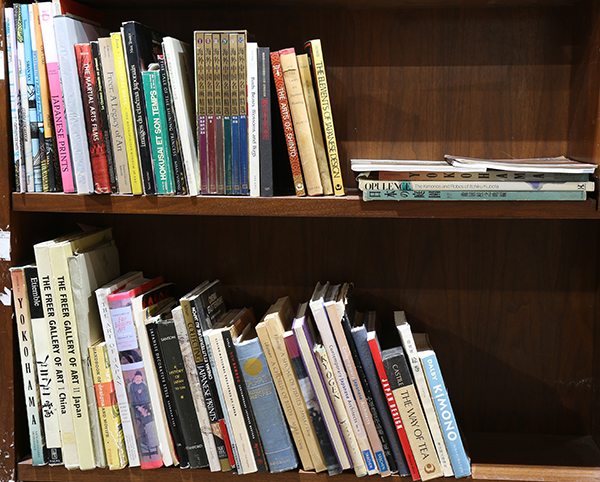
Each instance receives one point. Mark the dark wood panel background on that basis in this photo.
(509, 305)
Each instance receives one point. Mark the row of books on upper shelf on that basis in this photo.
(138, 112)
(119, 369)
(463, 178)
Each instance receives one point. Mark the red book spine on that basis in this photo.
(288, 128)
(227, 443)
(389, 396)
(91, 109)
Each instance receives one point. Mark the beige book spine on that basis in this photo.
(284, 397)
(306, 148)
(315, 124)
(340, 411)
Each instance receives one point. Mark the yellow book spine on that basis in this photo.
(108, 409)
(126, 113)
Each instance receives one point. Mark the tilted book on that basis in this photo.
(43, 360)
(28, 369)
(288, 127)
(275, 436)
(108, 409)
(410, 349)
(409, 406)
(461, 463)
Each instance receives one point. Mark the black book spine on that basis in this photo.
(175, 146)
(264, 114)
(209, 390)
(171, 411)
(182, 396)
(242, 391)
(369, 396)
(112, 173)
(137, 41)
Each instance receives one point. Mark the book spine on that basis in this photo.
(201, 109)
(180, 389)
(91, 110)
(69, 32)
(36, 45)
(389, 396)
(306, 148)
(314, 411)
(169, 404)
(210, 114)
(134, 375)
(284, 396)
(133, 456)
(115, 119)
(315, 52)
(253, 130)
(102, 108)
(41, 348)
(207, 382)
(411, 413)
(171, 125)
(358, 461)
(265, 149)
(161, 154)
(383, 410)
(314, 121)
(275, 436)
(132, 38)
(226, 97)
(243, 109)
(131, 147)
(58, 370)
(376, 185)
(72, 355)
(288, 127)
(235, 115)
(360, 396)
(420, 382)
(34, 416)
(15, 96)
(480, 176)
(218, 100)
(441, 401)
(63, 151)
(108, 409)
(337, 364)
(394, 195)
(247, 412)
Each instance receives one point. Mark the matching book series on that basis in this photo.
(122, 370)
(138, 112)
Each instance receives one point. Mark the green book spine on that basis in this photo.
(157, 126)
(393, 195)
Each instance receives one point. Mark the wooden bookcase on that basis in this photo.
(509, 292)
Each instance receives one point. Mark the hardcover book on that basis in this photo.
(226, 70)
(265, 148)
(235, 114)
(394, 195)
(200, 85)
(217, 61)
(253, 152)
(272, 427)
(243, 109)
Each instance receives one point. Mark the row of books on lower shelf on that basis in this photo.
(138, 112)
(119, 369)
(462, 178)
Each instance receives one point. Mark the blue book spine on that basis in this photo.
(362, 347)
(235, 154)
(456, 450)
(272, 427)
(244, 185)
(394, 195)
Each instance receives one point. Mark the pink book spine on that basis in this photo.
(56, 98)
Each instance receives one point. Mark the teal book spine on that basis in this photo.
(394, 195)
(158, 130)
(272, 427)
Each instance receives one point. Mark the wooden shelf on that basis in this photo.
(527, 458)
(341, 207)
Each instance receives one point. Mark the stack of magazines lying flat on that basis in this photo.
(464, 178)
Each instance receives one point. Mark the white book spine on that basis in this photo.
(113, 356)
(69, 32)
(179, 66)
(253, 130)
